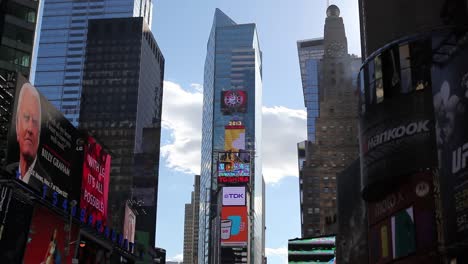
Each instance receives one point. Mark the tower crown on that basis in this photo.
(333, 11)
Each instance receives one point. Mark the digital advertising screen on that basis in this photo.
(234, 226)
(234, 196)
(44, 148)
(49, 240)
(95, 182)
(233, 101)
(233, 167)
(234, 138)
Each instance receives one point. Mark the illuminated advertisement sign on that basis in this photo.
(129, 224)
(234, 226)
(95, 182)
(48, 241)
(44, 148)
(233, 167)
(234, 196)
(234, 138)
(233, 101)
(449, 88)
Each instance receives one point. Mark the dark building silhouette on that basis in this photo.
(17, 31)
(336, 144)
(121, 105)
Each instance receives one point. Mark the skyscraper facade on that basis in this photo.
(310, 53)
(191, 225)
(62, 45)
(121, 106)
(231, 122)
(336, 144)
(17, 31)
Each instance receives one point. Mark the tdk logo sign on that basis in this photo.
(398, 132)
(234, 196)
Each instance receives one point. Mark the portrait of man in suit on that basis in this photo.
(28, 130)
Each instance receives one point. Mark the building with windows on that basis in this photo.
(121, 105)
(310, 54)
(232, 112)
(335, 145)
(17, 32)
(191, 225)
(62, 46)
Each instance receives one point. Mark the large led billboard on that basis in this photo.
(49, 241)
(234, 196)
(233, 101)
(234, 137)
(44, 148)
(233, 167)
(95, 182)
(234, 226)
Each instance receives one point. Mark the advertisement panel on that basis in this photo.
(234, 196)
(450, 91)
(397, 138)
(234, 226)
(95, 182)
(49, 241)
(233, 167)
(44, 149)
(234, 138)
(233, 101)
(129, 224)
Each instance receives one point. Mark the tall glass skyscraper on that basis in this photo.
(233, 66)
(60, 57)
(310, 53)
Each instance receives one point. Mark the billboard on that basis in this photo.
(233, 101)
(49, 241)
(234, 138)
(397, 137)
(450, 91)
(95, 182)
(129, 224)
(44, 148)
(234, 226)
(233, 167)
(234, 196)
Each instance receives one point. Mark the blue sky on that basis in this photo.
(181, 29)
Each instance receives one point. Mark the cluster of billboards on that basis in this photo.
(54, 160)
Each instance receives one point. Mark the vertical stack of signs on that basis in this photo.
(233, 178)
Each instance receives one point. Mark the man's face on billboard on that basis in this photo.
(28, 124)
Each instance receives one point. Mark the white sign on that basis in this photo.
(234, 196)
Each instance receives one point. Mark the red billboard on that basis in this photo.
(95, 182)
(234, 226)
(49, 240)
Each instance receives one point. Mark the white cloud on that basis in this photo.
(177, 258)
(283, 128)
(197, 87)
(182, 118)
(281, 253)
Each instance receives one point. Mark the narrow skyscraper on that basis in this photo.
(335, 144)
(62, 45)
(231, 193)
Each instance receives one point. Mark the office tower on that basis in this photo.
(232, 111)
(62, 46)
(188, 234)
(191, 225)
(335, 143)
(121, 105)
(17, 31)
(310, 53)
